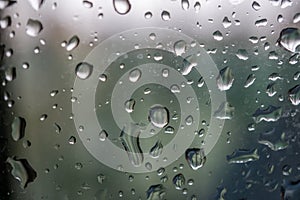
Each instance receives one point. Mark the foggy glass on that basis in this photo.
(141, 99)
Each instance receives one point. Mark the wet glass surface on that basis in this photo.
(136, 99)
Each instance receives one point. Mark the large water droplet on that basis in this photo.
(73, 43)
(122, 6)
(185, 4)
(165, 15)
(294, 95)
(242, 54)
(156, 150)
(195, 157)
(225, 79)
(290, 39)
(179, 181)
(273, 139)
(129, 105)
(270, 114)
(33, 27)
(255, 6)
(83, 70)
(179, 47)
(135, 75)
(241, 156)
(22, 171)
(156, 192)
(18, 128)
(218, 35)
(36, 4)
(5, 22)
(158, 116)
(130, 141)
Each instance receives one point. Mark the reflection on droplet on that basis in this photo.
(241, 156)
(195, 157)
(250, 80)
(179, 181)
(225, 79)
(18, 128)
(158, 116)
(135, 75)
(122, 6)
(83, 70)
(33, 27)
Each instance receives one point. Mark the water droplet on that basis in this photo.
(148, 166)
(10, 73)
(135, 75)
(102, 77)
(274, 77)
(179, 181)
(156, 150)
(290, 190)
(5, 22)
(72, 140)
(250, 80)
(148, 15)
(73, 43)
(225, 79)
(294, 95)
(87, 4)
(270, 114)
(255, 6)
(169, 130)
(100, 178)
(129, 105)
(242, 54)
(43, 117)
(189, 120)
(261, 22)
(271, 90)
(83, 70)
(18, 128)
(130, 140)
(33, 27)
(226, 22)
(289, 39)
(179, 47)
(241, 156)
(273, 139)
(218, 35)
(36, 4)
(197, 6)
(22, 171)
(165, 15)
(185, 4)
(122, 6)
(156, 192)
(78, 166)
(158, 116)
(103, 135)
(296, 18)
(225, 111)
(195, 157)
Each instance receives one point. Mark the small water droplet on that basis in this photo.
(218, 35)
(103, 135)
(261, 22)
(129, 105)
(87, 4)
(197, 6)
(250, 80)
(72, 140)
(156, 192)
(36, 4)
(122, 6)
(294, 95)
(270, 114)
(43, 117)
(185, 4)
(148, 15)
(83, 70)
(242, 54)
(255, 6)
(225, 111)
(189, 120)
(33, 27)
(226, 22)
(179, 47)
(296, 18)
(156, 150)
